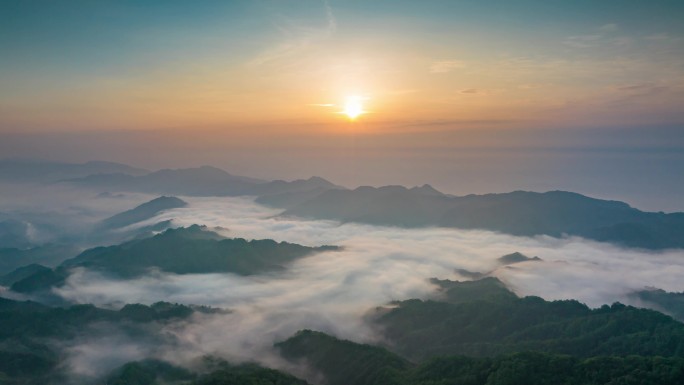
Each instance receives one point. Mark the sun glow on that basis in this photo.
(353, 107)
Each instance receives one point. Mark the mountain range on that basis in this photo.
(33, 170)
(200, 181)
(522, 213)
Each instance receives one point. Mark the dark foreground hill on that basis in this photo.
(30, 354)
(555, 213)
(509, 340)
(344, 362)
(483, 318)
(190, 250)
(149, 372)
(478, 332)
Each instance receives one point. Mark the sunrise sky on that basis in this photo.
(259, 86)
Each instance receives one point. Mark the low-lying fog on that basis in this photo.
(333, 291)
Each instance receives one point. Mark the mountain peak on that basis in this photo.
(516, 257)
(143, 212)
(426, 189)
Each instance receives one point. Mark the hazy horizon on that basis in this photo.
(642, 170)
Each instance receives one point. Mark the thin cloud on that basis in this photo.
(583, 41)
(532, 86)
(609, 27)
(297, 38)
(480, 91)
(445, 66)
(642, 88)
(332, 21)
(660, 37)
(605, 37)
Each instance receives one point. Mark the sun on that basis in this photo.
(353, 107)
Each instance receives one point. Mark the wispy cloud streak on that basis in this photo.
(297, 38)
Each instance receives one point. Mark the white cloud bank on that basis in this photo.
(332, 291)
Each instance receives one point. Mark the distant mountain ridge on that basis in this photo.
(195, 181)
(200, 181)
(32, 170)
(522, 213)
(205, 180)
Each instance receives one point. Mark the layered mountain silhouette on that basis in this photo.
(522, 213)
(554, 213)
(200, 181)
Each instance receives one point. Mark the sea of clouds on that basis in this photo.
(335, 291)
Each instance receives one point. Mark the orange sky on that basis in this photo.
(274, 64)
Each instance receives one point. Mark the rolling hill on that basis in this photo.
(190, 250)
